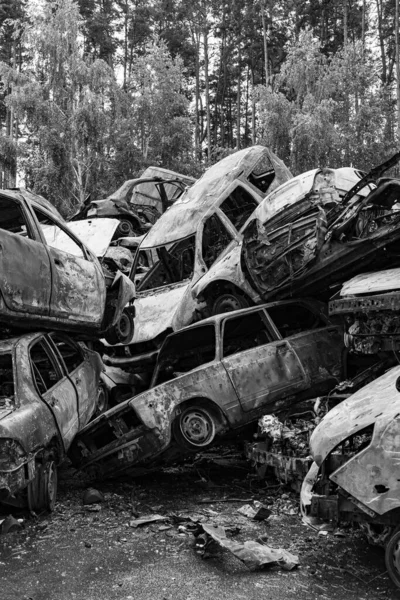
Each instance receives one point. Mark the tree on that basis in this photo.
(63, 100)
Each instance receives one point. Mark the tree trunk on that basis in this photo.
(396, 29)
(238, 101)
(207, 99)
(345, 22)
(263, 9)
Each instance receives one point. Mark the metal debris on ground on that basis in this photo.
(253, 554)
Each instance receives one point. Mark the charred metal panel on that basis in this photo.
(263, 374)
(25, 280)
(78, 289)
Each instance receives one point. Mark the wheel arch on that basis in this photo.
(220, 286)
(202, 401)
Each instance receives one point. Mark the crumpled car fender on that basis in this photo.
(122, 291)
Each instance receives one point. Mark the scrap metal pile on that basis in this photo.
(230, 325)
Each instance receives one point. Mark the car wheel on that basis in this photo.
(121, 332)
(195, 428)
(392, 557)
(42, 491)
(228, 302)
(102, 400)
(125, 229)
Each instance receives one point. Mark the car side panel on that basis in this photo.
(25, 274)
(63, 402)
(320, 352)
(78, 288)
(86, 381)
(263, 374)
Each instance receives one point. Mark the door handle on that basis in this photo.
(78, 380)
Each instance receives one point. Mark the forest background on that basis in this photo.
(94, 91)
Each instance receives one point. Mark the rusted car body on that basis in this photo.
(49, 389)
(227, 285)
(217, 376)
(139, 202)
(190, 237)
(370, 306)
(321, 240)
(356, 473)
(114, 252)
(49, 278)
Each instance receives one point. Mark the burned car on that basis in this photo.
(50, 387)
(139, 202)
(356, 473)
(50, 279)
(318, 242)
(227, 285)
(370, 307)
(189, 238)
(214, 377)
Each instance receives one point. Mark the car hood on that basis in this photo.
(377, 400)
(95, 233)
(370, 283)
(155, 311)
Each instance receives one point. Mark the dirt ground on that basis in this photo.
(93, 552)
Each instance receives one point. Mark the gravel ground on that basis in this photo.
(94, 553)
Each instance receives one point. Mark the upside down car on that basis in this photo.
(49, 279)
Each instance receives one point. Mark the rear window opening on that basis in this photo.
(167, 264)
(185, 351)
(7, 390)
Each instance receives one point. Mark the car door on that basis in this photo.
(262, 368)
(317, 342)
(55, 389)
(25, 272)
(81, 372)
(78, 286)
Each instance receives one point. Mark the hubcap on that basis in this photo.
(227, 304)
(197, 427)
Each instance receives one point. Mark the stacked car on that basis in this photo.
(50, 382)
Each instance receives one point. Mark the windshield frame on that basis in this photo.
(140, 249)
(178, 334)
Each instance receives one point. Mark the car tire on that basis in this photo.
(195, 428)
(121, 332)
(102, 400)
(42, 491)
(227, 302)
(392, 556)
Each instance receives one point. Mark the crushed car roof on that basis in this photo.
(182, 219)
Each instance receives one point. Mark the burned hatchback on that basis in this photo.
(50, 387)
(49, 278)
(355, 476)
(214, 377)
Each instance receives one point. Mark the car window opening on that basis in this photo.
(215, 239)
(263, 174)
(245, 332)
(45, 373)
(7, 389)
(57, 238)
(12, 218)
(71, 355)
(185, 351)
(238, 206)
(168, 264)
(294, 318)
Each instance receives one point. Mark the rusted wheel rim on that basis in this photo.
(101, 399)
(197, 427)
(124, 325)
(227, 303)
(50, 490)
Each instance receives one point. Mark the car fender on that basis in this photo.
(123, 291)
